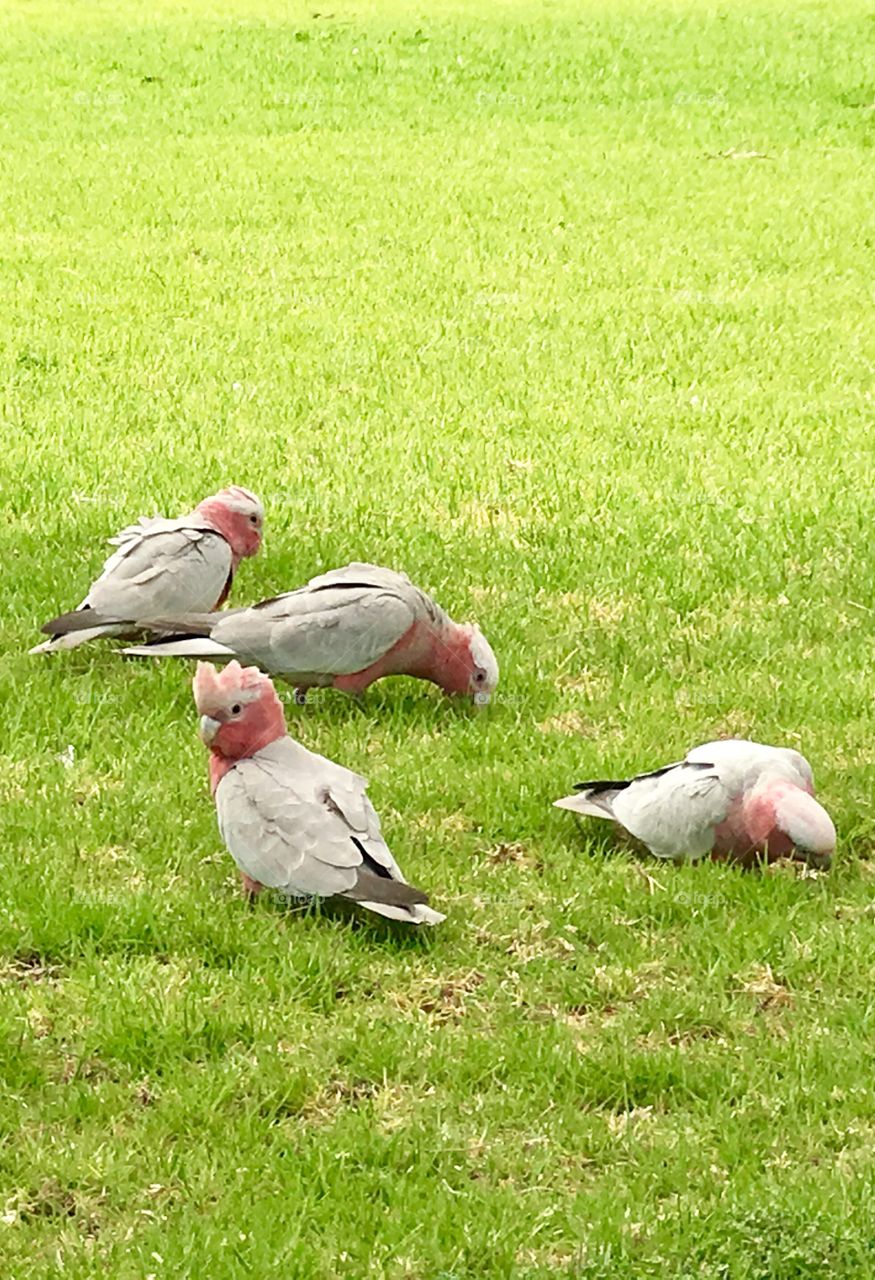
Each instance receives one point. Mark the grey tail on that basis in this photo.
(595, 804)
(392, 899)
(418, 914)
(187, 624)
(370, 887)
(593, 798)
(78, 620)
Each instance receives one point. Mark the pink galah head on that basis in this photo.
(239, 517)
(239, 709)
(461, 662)
(780, 818)
(805, 823)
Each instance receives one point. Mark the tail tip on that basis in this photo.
(428, 915)
(566, 802)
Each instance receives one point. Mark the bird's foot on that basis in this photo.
(354, 684)
(248, 887)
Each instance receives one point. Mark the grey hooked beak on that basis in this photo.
(209, 728)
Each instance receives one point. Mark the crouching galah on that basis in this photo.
(346, 628)
(733, 800)
(293, 820)
(164, 567)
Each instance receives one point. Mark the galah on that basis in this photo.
(346, 628)
(733, 800)
(291, 819)
(163, 567)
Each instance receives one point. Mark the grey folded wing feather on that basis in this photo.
(357, 573)
(296, 822)
(674, 811)
(740, 762)
(162, 567)
(330, 631)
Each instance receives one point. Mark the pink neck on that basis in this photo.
(440, 656)
(751, 825)
(443, 657)
(263, 724)
(227, 524)
(219, 766)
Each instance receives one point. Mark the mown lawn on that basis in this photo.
(565, 308)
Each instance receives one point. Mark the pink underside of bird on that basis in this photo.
(748, 828)
(754, 826)
(443, 657)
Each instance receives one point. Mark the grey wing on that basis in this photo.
(302, 824)
(162, 568)
(675, 812)
(740, 762)
(333, 631)
(359, 574)
(348, 797)
(281, 836)
(343, 793)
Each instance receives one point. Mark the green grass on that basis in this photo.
(566, 309)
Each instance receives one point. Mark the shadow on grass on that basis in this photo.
(350, 918)
(598, 839)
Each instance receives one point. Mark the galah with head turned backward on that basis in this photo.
(346, 628)
(291, 819)
(734, 800)
(164, 567)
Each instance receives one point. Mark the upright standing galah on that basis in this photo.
(733, 800)
(346, 628)
(292, 820)
(163, 567)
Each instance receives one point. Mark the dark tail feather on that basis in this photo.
(596, 787)
(394, 893)
(78, 620)
(187, 624)
(158, 639)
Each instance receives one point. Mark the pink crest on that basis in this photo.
(205, 684)
(212, 686)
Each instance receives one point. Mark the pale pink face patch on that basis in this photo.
(239, 517)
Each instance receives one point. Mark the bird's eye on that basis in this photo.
(253, 519)
(480, 677)
(236, 709)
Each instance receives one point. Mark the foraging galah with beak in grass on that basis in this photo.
(346, 628)
(293, 820)
(733, 801)
(163, 567)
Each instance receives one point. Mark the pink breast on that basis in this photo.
(750, 829)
